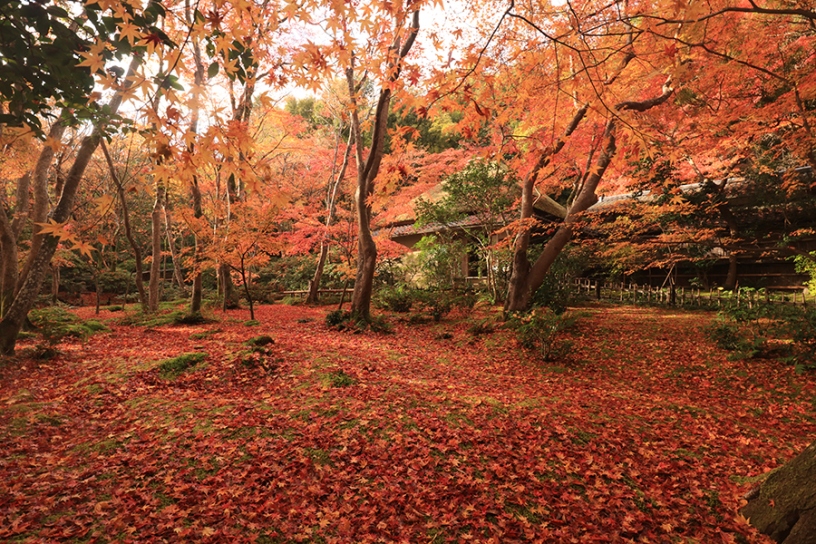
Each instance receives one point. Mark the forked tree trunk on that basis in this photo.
(368, 169)
(527, 284)
(521, 264)
(784, 506)
(15, 316)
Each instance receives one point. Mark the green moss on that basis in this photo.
(172, 368)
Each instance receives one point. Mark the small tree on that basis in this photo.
(476, 204)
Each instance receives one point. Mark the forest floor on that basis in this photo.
(645, 433)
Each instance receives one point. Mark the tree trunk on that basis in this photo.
(585, 198)
(155, 265)
(39, 212)
(55, 284)
(195, 299)
(8, 264)
(137, 251)
(195, 190)
(27, 293)
(367, 171)
(168, 230)
(731, 278)
(314, 287)
(524, 288)
(784, 506)
(230, 300)
(521, 263)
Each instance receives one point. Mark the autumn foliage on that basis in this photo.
(644, 433)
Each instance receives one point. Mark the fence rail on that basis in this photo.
(692, 296)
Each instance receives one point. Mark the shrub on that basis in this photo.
(539, 332)
(337, 379)
(337, 317)
(397, 299)
(259, 354)
(172, 368)
(262, 340)
(56, 324)
(195, 318)
(342, 320)
(725, 334)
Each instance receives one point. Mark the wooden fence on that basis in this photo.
(692, 296)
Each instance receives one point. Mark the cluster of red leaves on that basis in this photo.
(412, 437)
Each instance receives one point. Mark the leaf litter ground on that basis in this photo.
(647, 433)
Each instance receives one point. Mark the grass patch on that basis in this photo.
(337, 379)
(172, 368)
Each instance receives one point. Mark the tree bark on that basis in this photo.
(171, 243)
(137, 251)
(525, 288)
(195, 190)
(26, 295)
(155, 265)
(784, 506)
(39, 212)
(8, 265)
(521, 263)
(367, 172)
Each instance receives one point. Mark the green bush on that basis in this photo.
(262, 340)
(56, 324)
(342, 321)
(336, 318)
(172, 368)
(397, 299)
(337, 379)
(438, 303)
(540, 331)
(556, 292)
(727, 335)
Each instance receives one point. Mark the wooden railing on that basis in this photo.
(692, 296)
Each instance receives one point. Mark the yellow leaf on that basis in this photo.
(84, 248)
(54, 229)
(103, 204)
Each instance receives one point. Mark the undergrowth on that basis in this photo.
(172, 368)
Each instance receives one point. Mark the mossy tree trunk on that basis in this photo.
(784, 506)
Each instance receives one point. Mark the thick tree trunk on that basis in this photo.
(8, 264)
(195, 299)
(524, 289)
(55, 284)
(15, 316)
(171, 244)
(733, 231)
(585, 198)
(230, 299)
(521, 264)
(195, 190)
(731, 278)
(784, 506)
(39, 212)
